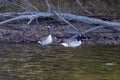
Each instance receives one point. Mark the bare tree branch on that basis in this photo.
(65, 21)
(88, 20)
(28, 16)
(114, 29)
(30, 21)
(82, 7)
(83, 19)
(58, 5)
(92, 29)
(87, 31)
(48, 5)
(11, 2)
(32, 5)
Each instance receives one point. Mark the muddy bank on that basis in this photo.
(15, 33)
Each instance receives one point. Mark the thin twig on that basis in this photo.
(32, 18)
(17, 5)
(30, 21)
(92, 29)
(48, 5)
(32, 5)
(58, 5)
(82, 7)
(65, 21)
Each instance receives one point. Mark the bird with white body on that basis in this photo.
(71, 42)
(46, 40)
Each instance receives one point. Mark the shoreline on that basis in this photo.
(10, 34)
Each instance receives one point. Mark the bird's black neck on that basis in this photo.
(49, 31)
(78, 38)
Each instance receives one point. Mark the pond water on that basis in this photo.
(35, 62)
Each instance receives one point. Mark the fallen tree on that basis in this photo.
(83, 19)
(33, 15)
(65, 17)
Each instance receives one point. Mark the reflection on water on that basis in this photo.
(33, 62)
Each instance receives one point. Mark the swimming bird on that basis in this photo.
(46, 40)
(72, 42)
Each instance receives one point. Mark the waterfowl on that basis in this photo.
(72, 42)
(46, 40)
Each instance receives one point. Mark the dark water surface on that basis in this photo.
(33, 62)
